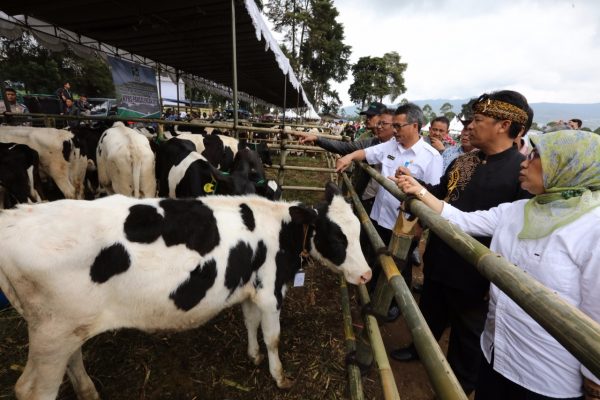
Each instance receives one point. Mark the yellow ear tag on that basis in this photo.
(209, 188)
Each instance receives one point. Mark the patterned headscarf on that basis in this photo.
(571, 172)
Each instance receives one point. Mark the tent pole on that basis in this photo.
(160, 102)
(234, 61)
(177, 86)
(284, 98)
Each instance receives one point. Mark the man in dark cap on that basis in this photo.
(454, 293)
(372, 118)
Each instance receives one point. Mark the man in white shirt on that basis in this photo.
(408, 150)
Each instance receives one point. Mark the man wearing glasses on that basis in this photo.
(454, 294)
(408, 150)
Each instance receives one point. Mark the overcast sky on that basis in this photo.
(549, 50)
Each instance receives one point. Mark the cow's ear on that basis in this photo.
(303, 215)
(331, 190)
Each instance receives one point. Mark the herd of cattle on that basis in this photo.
(87, 162)
(76, 268)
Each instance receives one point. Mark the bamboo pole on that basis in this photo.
(577, 332)
(354, 377)
(442, 378)
(388, 382)
(203, 124)
(298, 168)
(309, 188)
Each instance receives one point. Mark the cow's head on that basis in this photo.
(336, 239)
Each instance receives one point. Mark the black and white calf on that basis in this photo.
(74, 269)
(183, 172)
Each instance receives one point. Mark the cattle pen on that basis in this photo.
(330, 354)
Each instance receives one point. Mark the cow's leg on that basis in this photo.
(270, 329)
(252, 318)
(82, 384)
(48, 355)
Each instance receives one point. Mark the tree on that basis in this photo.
(377, 77)
(313, 41)
(466, 110)
(597, 130)
(41, 71)
(429, 113)
(331, 102)
(446, 109)
(324, 54)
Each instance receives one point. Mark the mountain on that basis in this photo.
(542, 112)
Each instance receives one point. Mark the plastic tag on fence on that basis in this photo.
(299, 279)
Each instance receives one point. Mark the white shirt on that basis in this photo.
(568, 263)
(423, 161)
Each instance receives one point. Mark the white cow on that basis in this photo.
(125, 162)
(74, 269)
(60, 158)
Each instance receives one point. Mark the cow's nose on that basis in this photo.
(366, 277)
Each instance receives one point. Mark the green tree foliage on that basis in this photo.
(466, 109)
(446, 110)
(429, 113)
(42, 71)
(331, 103)
(313, 41)
(597, 130)
(377, 77)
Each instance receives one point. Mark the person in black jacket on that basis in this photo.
(454, 293)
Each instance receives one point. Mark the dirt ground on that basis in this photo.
(211, 363)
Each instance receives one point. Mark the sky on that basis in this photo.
(549, 50)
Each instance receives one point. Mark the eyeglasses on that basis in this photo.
(400, 126)
(532, 154)
(381, 124)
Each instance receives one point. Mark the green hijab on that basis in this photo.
(571, 172)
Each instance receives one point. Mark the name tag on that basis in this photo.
(391, 157)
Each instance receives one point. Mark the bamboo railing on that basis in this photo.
(442, 378)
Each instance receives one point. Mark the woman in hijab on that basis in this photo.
(554, 237)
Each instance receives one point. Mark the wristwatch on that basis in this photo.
(421, 193)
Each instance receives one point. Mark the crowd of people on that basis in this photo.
(542, 195)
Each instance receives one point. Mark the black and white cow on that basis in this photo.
(183, 172)
(219, 150)
(19, 176)
(74, 269)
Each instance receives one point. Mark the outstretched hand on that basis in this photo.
(343, 163)
(305, 138)
(407, 184)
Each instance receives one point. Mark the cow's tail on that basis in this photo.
(137, 174)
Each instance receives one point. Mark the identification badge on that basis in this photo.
(299, 279)
(391, 157)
